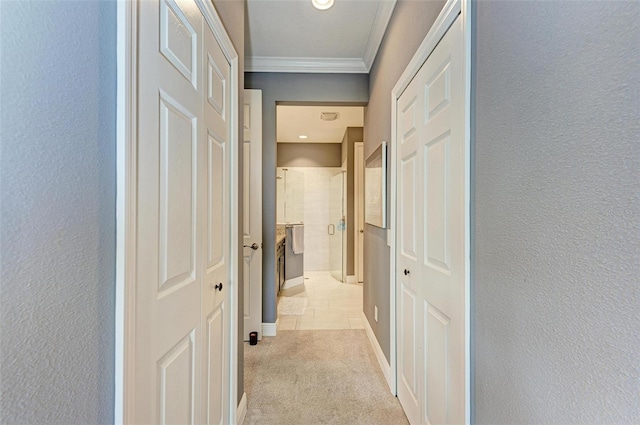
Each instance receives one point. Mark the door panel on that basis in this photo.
(437, 392)
(408, 120)
(167, 293)
(408, 201)
(252, 208)
(178, 145)
(359, 209)
(216, 87)
(410, 322)
(216, 220)
(438, 90)
(176, 371)
(246, 190)
(216, 356)
(409, 362)
(178, 40)
(437, 160)
(410, 355)
(443, 272)
(215, 103)
(431, 161)
(247, 287)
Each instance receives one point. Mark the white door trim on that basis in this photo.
(127, 53)
(126, 146)
(358, 212)
(253, 207)
(447, 16)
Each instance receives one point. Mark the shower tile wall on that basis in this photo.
(312, 205)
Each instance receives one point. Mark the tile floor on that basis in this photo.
(331, 305)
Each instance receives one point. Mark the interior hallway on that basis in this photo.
(320, 368)
(317, 377)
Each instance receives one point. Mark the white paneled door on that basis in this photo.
(252, 208)
(182, 262)
(430, 276)
(216, 134)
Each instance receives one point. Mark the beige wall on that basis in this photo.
(409, 25)
(308, 155)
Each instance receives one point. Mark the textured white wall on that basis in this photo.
(557, 237)
(57, 214)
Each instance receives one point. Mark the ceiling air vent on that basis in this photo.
(328, 116)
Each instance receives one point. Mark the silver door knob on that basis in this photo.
(253, 246)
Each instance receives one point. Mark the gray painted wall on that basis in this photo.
(232, 14)
(309, 154)
(57, 214)
(294, 88)
(409, 25)
(557, 212)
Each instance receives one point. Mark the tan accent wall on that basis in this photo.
(308, 154)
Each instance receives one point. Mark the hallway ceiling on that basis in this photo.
(293, 36)
(293, 121)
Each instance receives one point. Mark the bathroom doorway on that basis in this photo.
(315, 192)
(315, 182)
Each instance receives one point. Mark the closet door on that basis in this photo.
(431, 234)
(215, 308)
(409, 295)
(181, 321)
(169, 257)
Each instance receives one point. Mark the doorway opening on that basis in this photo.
(315, 216)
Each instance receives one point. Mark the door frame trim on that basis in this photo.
(445, 19)
(254, 96)
(126, 179)
(357, 212)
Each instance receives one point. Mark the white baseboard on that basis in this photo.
(242, 409)
(382, 360)
(352, 279)
(269, 329)
(290, 283)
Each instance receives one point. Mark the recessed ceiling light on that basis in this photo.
(302, 136)
(322, 4)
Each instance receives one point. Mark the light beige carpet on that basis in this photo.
(317, 377)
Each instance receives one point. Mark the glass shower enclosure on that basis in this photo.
(316, 198)
(337, 227)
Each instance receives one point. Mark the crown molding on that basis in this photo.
(306, 65)
(330, 65)
(379, 27)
